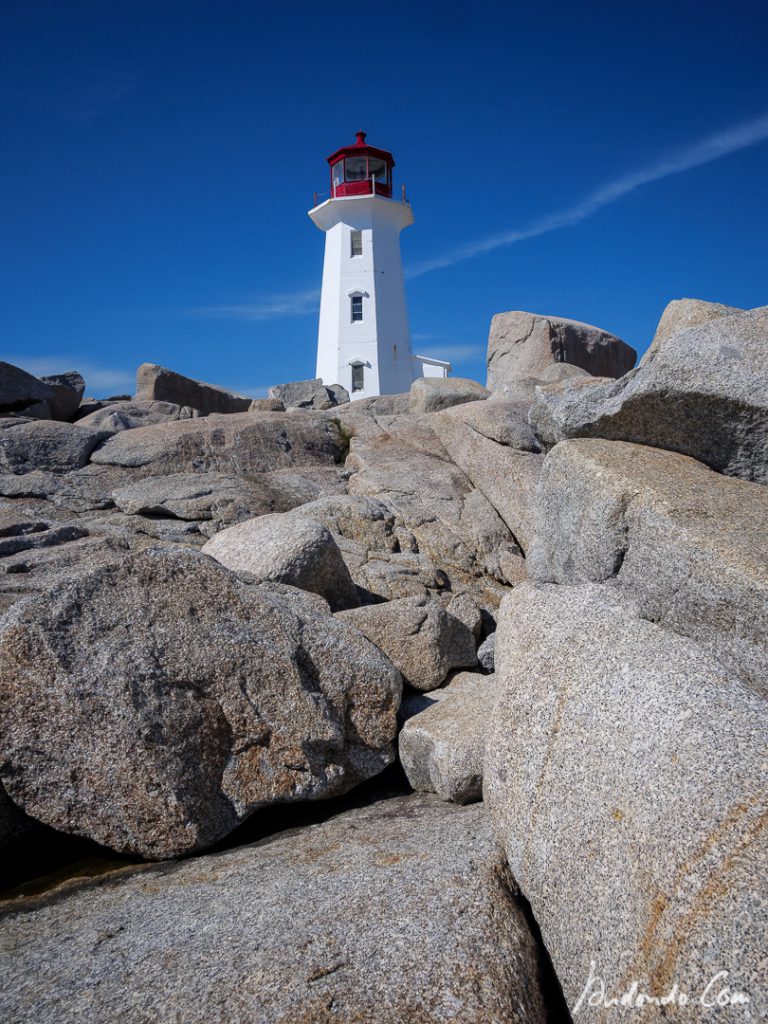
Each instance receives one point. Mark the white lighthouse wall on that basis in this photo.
(381, 340)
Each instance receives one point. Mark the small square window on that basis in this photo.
(357, 308)
(356, 243)
(358, 378)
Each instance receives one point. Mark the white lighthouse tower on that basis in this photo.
(364, 341)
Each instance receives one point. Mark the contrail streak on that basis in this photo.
(721, 144)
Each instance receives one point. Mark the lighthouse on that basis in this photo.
(364, 341)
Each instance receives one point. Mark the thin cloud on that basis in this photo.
(741, 136)
(251, 391)
(453, 353)
(283, 304)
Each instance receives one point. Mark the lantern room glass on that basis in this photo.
(355, 168)
(377, 169)
(359, 174)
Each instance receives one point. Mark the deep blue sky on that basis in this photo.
(159, 159)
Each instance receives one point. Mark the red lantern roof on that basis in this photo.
(361, 148)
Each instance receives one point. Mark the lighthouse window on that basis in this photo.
(357, 307)
(378, 169)
(358, 381)
(356, 243)
(338, 173)
(356, 168)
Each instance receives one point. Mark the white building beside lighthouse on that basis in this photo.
(364, 341)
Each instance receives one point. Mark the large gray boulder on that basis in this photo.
(404, 464)
(287, 549)
(431, 394)
(128, 415)
(688, 546)
(376, 405)
(155, 705)
(680, 314)
(419, 636)
(397, 913)
(363, 522)
(216, 500)
(703, 393)
(390, 577)
(522, 345)
(22, 393)
(309, 394)
(493, 444)
(193, 497)
(37, 551)
(243, 443)
(45, 445)
(522, 390)
(157, 384)
(626, 776)
(442, 747)
(68, 390)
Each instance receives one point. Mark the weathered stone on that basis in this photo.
(486, 653)
(689, 546)
(430, 394)
(20, 532)
(155, 705)
(119, 416)
(625, 774)
(304, 602)
(419, 636)
(442, 747)
(77, 491)
(466, 609)
(550, 404)
(287, 549)
(522, 345)
(408, 468)
(190, 496)
(522, 391)
(366, 521)
(157, 384)
(20, 392)
(67, 393)
(396, 575)
(376, 405)
(37, 551)
(36, 411)
(45, 445)
(245, 443)
(397, 913)
(338, 393)
(493, 444)
(680, 314)
(309, 394)
(89, 405)
(266, 405)
(151, 528)
(69, 379)
(224, 499)
(703, 392)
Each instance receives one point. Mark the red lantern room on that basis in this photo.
(361, 170)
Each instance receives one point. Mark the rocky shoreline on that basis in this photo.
(430, 707)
